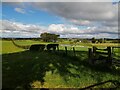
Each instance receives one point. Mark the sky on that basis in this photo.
(68, 19)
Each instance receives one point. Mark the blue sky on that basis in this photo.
(71, 20)
(31, 15)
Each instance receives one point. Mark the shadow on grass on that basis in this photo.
(23, 68)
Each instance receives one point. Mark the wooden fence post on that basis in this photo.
(74, 51)
(66, 50)
(109, 59)
(90, 54)
(94, 50)
(94, 54)
(57, 48)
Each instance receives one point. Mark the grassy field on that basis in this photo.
(23, 68)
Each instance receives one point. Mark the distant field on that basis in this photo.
(22, 67)
(8, 47)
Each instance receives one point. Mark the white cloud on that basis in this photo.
(20, 10)
(17, 29)
(81, 22)
(81, 13)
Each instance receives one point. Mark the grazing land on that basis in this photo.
(44, 69)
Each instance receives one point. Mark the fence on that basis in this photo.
(66, 51)
(108, 54)
(100, 54)
(116, 56)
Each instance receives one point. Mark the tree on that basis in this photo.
(93, 40)
(48, 37)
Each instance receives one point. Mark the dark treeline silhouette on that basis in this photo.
(59, 38)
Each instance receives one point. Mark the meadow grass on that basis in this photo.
(23, 68)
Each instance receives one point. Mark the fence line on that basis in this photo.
(101, 53)
(116, 58)
(66, 51)
(96, 54)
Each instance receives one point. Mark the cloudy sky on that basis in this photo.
(69, 19)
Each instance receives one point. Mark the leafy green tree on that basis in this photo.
(48, 37)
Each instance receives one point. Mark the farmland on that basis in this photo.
(23, 68)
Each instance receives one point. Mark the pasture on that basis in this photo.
(22, 68)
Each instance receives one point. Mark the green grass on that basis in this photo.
(8, 47)
(22, 68)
